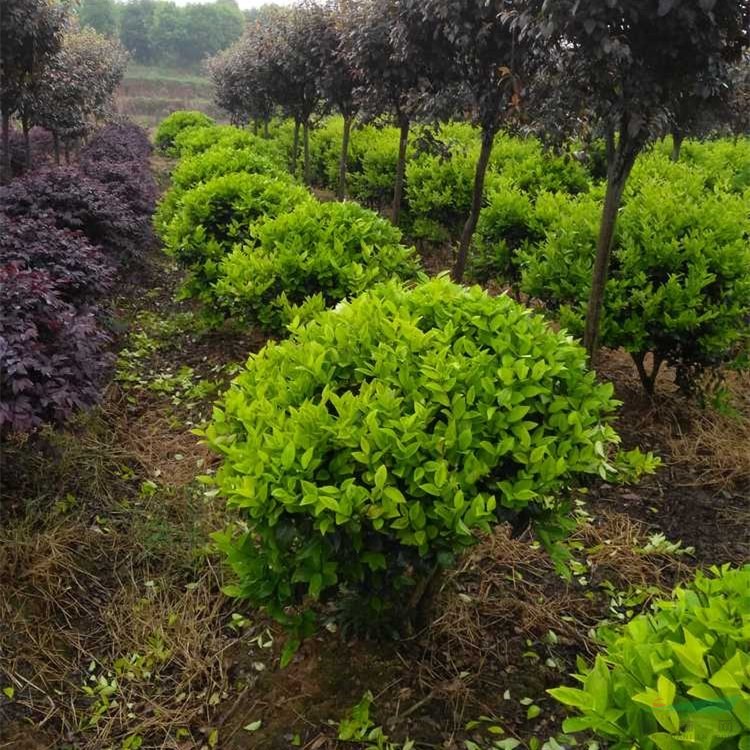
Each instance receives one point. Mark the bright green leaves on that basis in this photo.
(217, 161)
(679, 286)
(690, 654)
(311, 258)
(573, 697)
(210, 218)
(377, 442)
(380, 477)
(170, 127)
(287, 456)
(677, 678)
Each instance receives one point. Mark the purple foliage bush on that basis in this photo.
(118, 142)
(41, 145)
(130, 183)
(117, 156)
(79, 202)
(53, 357)
(79, 271)
(59, 229)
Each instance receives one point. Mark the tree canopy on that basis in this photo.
(30, 34)
(635, 63)
(162, 32)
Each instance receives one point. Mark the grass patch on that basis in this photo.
(159, 73)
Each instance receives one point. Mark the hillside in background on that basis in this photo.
(149, 93)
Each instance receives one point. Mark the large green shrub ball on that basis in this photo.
(215, 215)
(171, 126)
(374, 444)
(679, 280)
(199, 140)
(216, 162)
(677, 678)
(325, 251)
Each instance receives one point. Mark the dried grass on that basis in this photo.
(112, 578)
(714, 451)
(704, 446)
(615, 551)
(507, 594)
(76, 600)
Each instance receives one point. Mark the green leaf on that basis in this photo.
(572, 697)
(381, 475)
(287, 455)
(307, 456)
(666, 690)
(316, 584)
(464, 439)
(666, 741)
(394, 494)
(290, 649)
(691, 654)
(509, 743)
(667, 718)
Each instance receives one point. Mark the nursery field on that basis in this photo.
(148, 94)
(331, 498)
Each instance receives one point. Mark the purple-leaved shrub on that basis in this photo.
(53, 357)
(82, 203)
(79, 270)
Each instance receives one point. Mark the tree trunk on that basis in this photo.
(26, 142)
(677, 139)
(648, 380)
(5, 171)
(66, 147)
(295, 147)
(344, 157)
(255, 126)
(398, 190)
(266, 134)
(306, 151)
(488, 139)
(621, 160)
(56, 144)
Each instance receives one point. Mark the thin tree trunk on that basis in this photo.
(5, 171)
(621, 160)
(66, 147)
(488, 139)
(677, 140)
(255, 126)
(56, 144)
(648, 380)
(343, 160)
(398, 190)
(295, 147)
(306, 151)
(266, 134)
(26, 142)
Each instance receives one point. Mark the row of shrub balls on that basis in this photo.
(397, 416)
(678, 292)
(256, 244)
(66, 234)
(400, 416)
